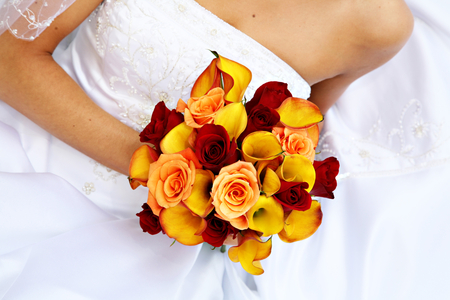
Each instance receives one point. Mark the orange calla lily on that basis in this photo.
(234, 76)
(301, 224)
(299, 113)
(181, 224)
(140, 164)
(266, 216)
(200, 200)
(233, 118)
(297, 168)
(261, 145)
(250, 251)
(177, 139)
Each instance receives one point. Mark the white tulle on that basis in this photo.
(26, 19)
(68, 228)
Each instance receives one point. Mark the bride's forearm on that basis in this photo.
(40, 89)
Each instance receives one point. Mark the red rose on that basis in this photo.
(148, 220)
(217, 231)
(163, 120)
(213, 147)
(293, 195)
(270, 94)
(326, 172)
(261, 118)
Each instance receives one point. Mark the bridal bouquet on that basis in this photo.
(229, 172)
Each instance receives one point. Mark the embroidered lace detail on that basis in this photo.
(104, 173)
(27, 19)
(410, 144)
(160, 48)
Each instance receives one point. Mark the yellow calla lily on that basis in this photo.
(235, 76)
(297, 168)
(233, 118)
(299, 113)
(177, 139)
(250, 251)
(268, 180)
(200, 200)
(300, 225)
(261, 145)
(140, 165)
(266, 216)
(241, 76)
(181, 224)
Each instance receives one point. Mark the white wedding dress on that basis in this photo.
(68, 228)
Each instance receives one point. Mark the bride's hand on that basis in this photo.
(35, 85)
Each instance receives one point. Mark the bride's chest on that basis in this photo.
(305, 34)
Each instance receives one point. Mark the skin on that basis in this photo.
(330, 43)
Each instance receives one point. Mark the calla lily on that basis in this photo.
(299, 113)
(181, 224)
(300, 225)
(200, 200)
(233, 118)
(266, 216)
(140, 164)
(261, 145)
(177, 139)
(297, 168)
(250, 251)
(235, 78)
(267, 178)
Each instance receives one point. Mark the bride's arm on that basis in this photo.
(35, 85)
(373, 33)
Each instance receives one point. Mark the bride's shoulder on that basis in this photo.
(382, 24)
(375, 31)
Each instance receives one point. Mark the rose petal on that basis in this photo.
(233, 118)
(299, 113)
(177, 139)
(190, 155)
(301, 224)
(181, 106)
(297, 168)
(200, 200)
(179, 223)
(266, 216)
(313, 133)
(261, 145)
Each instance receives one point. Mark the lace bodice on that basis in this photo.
(148, 51)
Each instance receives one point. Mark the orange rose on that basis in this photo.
(235, 190)
(296, 141)
(201, 111)
(170, 181)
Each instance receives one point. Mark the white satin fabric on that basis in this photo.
(67, 224)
